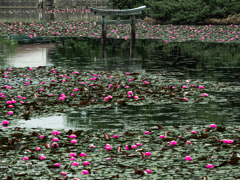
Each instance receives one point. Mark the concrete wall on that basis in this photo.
(18, 3)
(59, 4)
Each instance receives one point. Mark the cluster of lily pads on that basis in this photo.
(180, 152)
(163, 33)
(27, 92)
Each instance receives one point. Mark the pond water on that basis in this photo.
(183, 61)
(203, 61)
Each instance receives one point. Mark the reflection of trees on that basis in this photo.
(89, 49)
(7, 48)
(77, 53)
(193, 56)
(184, 57)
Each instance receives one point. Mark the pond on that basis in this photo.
(208, 62)
(181, 79)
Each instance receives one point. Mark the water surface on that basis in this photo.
(212, 62)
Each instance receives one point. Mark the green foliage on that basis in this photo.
(127, 4)
(186, 11)
(221, 8)
(233, 8)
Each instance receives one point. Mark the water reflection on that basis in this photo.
(31, 55)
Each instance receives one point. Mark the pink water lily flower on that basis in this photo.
(55, 132)
(213, 125)
(75, 164)
(25, 158)
(173, 142)
(72, 154)
(136, 97)
(42, 157)
(108, 148)
(148, 153)
(74, 141)
(134, 146)
(63, 173)
(115, 136)
(85, 172)
(188, 142)
(226, 141)
(10, 112)
(72, 159)
(55, 139)
(210, 166)
(188, 158)
(86, 163)
(72, 136)
(147, 132)
(200, 87)
(5, 122)
(108, 97)
(83, 154)
(57, 164)
(148, 170)
(130, 92)
(194, 132)
(162, 136)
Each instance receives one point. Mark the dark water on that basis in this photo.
(212, 62)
